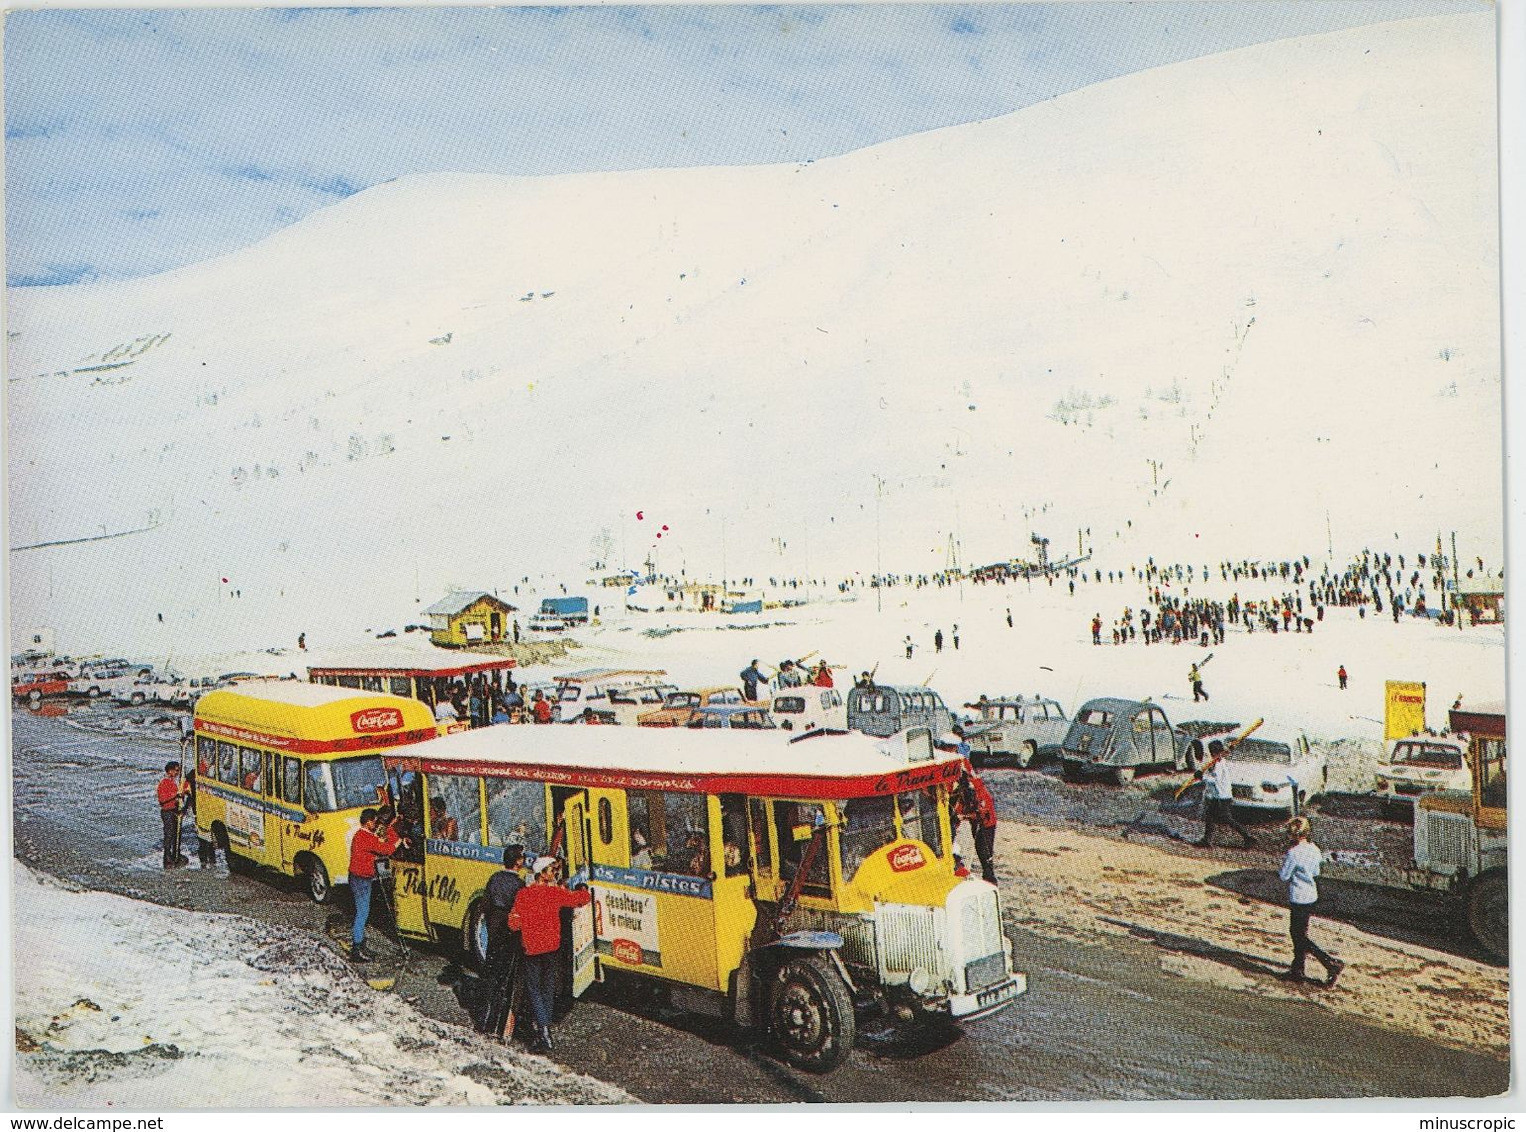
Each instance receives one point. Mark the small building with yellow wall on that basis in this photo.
(466, 618)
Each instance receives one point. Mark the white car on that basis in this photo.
(134, 690)
(1010, 727)
(1422, 764)
(99, 682)
(624, 705)
(1273, 772)
(809, 707)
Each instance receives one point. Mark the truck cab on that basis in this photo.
(1460, 836)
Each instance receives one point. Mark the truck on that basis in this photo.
(1461, 846)
(573, 610)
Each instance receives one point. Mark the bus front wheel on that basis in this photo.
(811, 1014)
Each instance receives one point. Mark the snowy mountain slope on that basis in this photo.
(1272, 272)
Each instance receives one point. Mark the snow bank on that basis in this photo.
(132, 1005)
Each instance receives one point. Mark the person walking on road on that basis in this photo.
(365, 849)
(1300, 870)
(501, 970)
(1195, 675)
(909, 647)
(1218, 800)
(538, 916)
(937, 640)
(171, 800)
(1340, 674)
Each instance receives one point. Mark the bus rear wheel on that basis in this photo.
(810, 1014)
(316, 879)
(474, 936)
(1489, 913)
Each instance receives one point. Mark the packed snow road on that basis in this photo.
(1149, 963)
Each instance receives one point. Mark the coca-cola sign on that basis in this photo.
(626, 950)
(904, 858)
(377, 719)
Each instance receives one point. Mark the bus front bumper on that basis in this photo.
(968, 1007)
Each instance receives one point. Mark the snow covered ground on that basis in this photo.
(1243, 303)
(135, 1006)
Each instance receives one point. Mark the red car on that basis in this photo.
(39, 684)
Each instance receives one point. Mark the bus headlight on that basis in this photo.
(920, 981)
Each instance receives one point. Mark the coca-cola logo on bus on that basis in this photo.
(626, 950)
(905, 858)
(377, 719)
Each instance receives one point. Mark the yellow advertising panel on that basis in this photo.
(1403, 708)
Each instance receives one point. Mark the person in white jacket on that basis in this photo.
(1300, 870)
(1218, 800)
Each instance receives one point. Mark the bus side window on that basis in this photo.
(270, 775)
(227, 763)
(790, 818)
(462, 816)
(319, 788)
(762, 851)
(734, 834)
(291, 780)
(206, 758)
(249, 768)
(516, 814)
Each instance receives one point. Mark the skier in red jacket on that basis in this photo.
(973, 803)
(365, 849)
(537, 916)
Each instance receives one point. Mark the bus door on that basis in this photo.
(293, 838)
(574, 818)
(410, 893)
(732, 903)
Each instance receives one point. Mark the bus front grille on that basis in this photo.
(908, 938)
(1448, 839)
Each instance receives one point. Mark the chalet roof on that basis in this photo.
(461, 600)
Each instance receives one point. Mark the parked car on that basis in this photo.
(626, 705)
(680, 707)
(810, 708)
(1420, 765)
(1011, 727)
(592, 687)
(884, 710)
(1276, 772)
(134, 691)
(739, 717)
(546, 623)
(99, 681)
(1121, 737)
(39, 685)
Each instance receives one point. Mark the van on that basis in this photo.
(883, 710)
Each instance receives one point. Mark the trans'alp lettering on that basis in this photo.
(375, 719)
(912, 779)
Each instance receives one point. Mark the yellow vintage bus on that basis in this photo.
(786, 884)
(283, 770)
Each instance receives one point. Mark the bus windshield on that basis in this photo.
(870, 825)
(344, 784)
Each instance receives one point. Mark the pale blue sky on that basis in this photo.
(142, 140)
